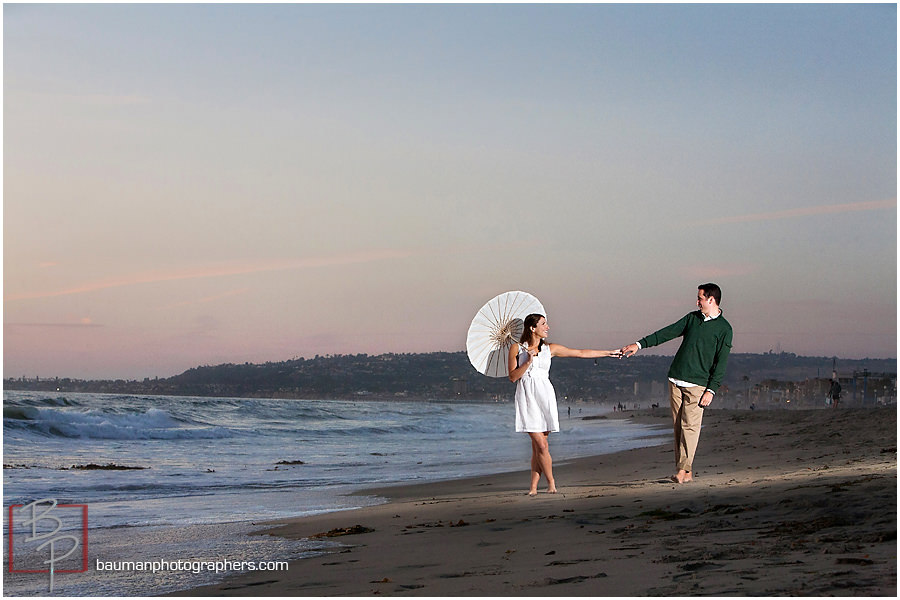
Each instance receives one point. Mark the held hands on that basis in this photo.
(629, 350)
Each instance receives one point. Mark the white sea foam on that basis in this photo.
(101, 425)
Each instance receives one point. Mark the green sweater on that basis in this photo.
(703, 354)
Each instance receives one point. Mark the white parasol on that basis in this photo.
(496, 327)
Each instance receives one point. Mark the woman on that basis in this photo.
(529, 369)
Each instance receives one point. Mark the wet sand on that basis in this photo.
(783, 503)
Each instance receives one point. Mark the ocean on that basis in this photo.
(204, 472)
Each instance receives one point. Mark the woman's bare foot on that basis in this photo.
(532, 492)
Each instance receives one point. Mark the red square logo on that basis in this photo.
(45, 534)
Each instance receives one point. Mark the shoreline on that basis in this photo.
(783, 502)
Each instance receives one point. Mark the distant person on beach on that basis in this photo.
(536, 412)
(696, 371)
(835, 393)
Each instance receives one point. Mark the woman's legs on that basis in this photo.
(541, 462)
(535, 468)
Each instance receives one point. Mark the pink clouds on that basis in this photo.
(85, 322)
(713, 272)
(222, 270)
(808, 211)
(207, 299)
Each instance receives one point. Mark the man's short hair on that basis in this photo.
(711, 290)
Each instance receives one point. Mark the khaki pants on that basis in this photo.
(686, 419)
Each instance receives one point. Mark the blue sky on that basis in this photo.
(196, 184)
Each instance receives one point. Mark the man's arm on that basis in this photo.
(656, 338)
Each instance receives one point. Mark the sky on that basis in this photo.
(189, 185)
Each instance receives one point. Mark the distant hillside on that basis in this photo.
(443, 375)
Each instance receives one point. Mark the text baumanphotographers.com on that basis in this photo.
(194, 566)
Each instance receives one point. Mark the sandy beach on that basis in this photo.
(783, 503)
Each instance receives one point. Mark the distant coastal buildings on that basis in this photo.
(754, 380)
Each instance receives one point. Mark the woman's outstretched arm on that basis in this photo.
(562, 351)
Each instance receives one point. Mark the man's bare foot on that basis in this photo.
(688, 477)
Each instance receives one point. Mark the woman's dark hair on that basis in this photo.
(530, 321)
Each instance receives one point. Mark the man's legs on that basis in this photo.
(677, 403)
(687, 417)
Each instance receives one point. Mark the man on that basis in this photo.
(696, 371)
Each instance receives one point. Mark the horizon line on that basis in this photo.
(463, 351)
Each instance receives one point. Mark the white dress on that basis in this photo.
(535, 397)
